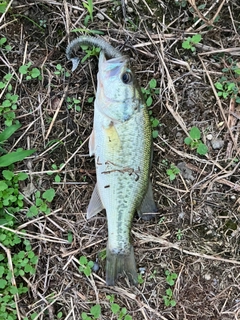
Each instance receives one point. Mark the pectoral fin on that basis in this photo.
(95, 204)
(148, 207)
(91, 144)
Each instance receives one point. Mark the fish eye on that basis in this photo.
(127, 77)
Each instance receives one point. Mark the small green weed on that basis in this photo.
(140, 278)
(168, 298)
(179, 234)
(85, 266)
(161, 220)
(190, 42)
(95, 313)
(5, 81)
(172, 172)
(234, 67)
(153, 274)
(90, 99)
(70, 237)
(89, 7)
(11, 202)
(57, 177)
(102, 254)
(227, 88)
(93, 51)
(73, 104)
(165, 162)
(43, 23)
(150, 91)
(148, 94)
(194, 141)
(3, 44)
(59, 315)
(9, 101)
(41, 203)
(7, 108)
(61, 71)
(170, 277)
(29, 73)
(121, 313)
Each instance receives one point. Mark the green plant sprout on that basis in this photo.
(90, 99)
(150, 91)
(28, 72)
(140, 278)
(161, 220)
(121, 313)
(148, 94)
(190, 42)
(5, 80)
(7, 108)
(102, 254)
(194, 141)
(59, 315)
(89, 7)
(170, 277)
(4, 46)
(9, 101)
(179, 234)
(153, 274)
(93, 51)
(61, 71)
(95, 313)
(43, 23)
(172, 172)
(227, 88)
(57, 177)
(73, 104)
(168, 298)
(41, 203)
(70, 236)
(85, 266)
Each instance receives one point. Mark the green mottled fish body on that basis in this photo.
(121, 142)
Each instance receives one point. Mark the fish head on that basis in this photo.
(118, 95)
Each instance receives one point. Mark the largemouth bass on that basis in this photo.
(121, 142)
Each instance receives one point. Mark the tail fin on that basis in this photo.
(120, 263)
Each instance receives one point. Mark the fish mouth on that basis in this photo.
(111, 67)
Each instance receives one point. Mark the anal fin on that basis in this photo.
(95, 204)
(91, 144)
(148, 209)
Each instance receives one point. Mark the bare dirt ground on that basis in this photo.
(196, 233)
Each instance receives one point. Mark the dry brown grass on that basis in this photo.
(205, 207)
